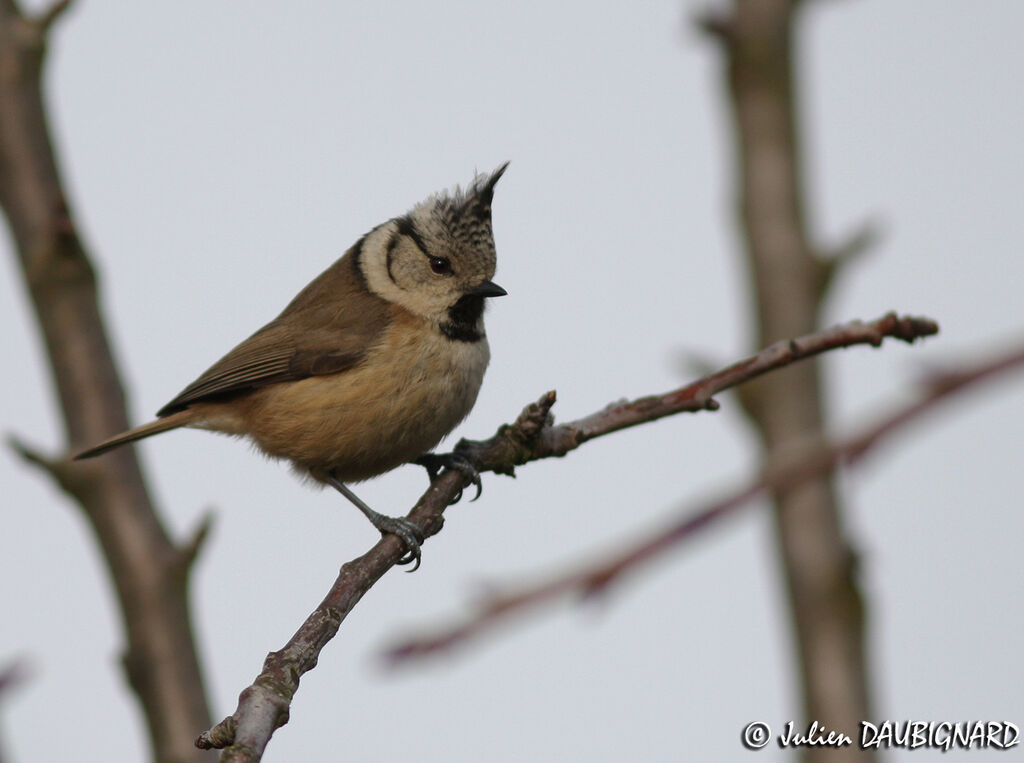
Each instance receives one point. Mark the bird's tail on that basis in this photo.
(175, 420)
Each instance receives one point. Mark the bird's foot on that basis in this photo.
(409, 533)
(434, 462)
(405, 529)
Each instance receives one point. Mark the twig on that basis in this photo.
(848, 251)
(188, 552)
(12, 675)
(49, 16)
(263, 707)
(700, 394)
(811, 461)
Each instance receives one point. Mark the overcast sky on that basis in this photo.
(220, 156)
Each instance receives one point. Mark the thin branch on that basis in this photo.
(12, 675)
(263, 707)
(189, 551)
(49, 16)
(700, 394)
(848, 251)
(33, 457)
(809, 462)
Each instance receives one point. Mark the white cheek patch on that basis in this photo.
(374, 262)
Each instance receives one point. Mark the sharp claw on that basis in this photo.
(410, 535)
(409, 558)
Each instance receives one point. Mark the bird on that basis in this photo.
(371, 365)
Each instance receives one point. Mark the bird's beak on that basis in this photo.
(487, 289)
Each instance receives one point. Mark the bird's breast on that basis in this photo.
(411, 390)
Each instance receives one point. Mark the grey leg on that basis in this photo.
(403, 528)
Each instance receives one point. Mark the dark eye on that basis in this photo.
(440, 265)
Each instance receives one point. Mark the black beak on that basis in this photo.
(487, 289)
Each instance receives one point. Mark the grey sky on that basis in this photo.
(219, 157)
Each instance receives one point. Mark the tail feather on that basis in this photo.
(175, 420)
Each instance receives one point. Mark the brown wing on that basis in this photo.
(328, 328)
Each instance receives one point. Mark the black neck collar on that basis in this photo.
(464, 322)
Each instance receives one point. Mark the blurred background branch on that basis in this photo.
(788, 284)
(149, 573)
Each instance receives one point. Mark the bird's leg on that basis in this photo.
(400, 526)
(434, 462)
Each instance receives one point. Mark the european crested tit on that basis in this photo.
(371, 365)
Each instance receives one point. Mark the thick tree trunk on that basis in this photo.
(149, 573)
(788, 285)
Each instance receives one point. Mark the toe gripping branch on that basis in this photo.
(407, 531)
(435, 462)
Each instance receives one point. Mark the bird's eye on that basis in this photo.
(440, 265)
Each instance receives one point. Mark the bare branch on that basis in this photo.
(263, 707)
(47, 18)
(700, 394)
(715, 24)
(808, 462)
(848, 251)
(189, 551)
(32, 456)
(13, 674)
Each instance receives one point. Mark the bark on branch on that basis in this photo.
(263, 706)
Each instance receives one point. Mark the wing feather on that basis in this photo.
(264, 358)
(327, 329)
